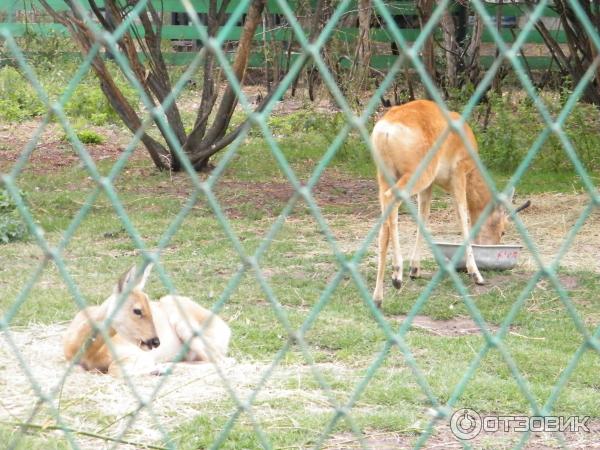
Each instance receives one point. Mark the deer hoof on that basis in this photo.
(378, 304)
(414, 273)
(477, 278)
(397, 282)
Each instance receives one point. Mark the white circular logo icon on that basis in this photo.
(465, 423)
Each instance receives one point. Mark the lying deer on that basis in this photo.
(145, 334)
(401, 139)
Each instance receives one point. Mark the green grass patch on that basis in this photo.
(14, 438)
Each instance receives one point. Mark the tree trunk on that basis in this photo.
(425, 9)
(472, 50)
(212, 142)
(451, 48)
(312, 73)
(363, 51)
(497, 81)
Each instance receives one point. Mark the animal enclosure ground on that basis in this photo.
(293, 407)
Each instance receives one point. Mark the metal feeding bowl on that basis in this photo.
(495, 257)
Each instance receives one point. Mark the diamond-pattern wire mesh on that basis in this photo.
(346, 266)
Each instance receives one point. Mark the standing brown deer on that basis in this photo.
(401, 139)
(145, 335)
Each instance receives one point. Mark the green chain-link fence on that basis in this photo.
(250, 263)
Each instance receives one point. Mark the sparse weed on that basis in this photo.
(516, 123)
(12, 227)
(87, 137)
(20, 101)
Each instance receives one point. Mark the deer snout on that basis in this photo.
(152, 343)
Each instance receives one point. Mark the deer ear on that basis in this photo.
(129, 277)
(125, 279)
(142, 282)
(511, 195)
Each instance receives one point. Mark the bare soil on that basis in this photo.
(354, 196)
(458, 326)
(443, 438)
(52, 150)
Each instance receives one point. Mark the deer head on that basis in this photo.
(494, 227)
(133, 319)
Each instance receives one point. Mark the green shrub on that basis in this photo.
(87, 137)
(303, 121)
(510, 133)
(12, 227)
(582, 127)
(18, 100)
(89, 103)
(515, 124)
(46, 50)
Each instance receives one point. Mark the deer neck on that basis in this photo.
(478, 195)
(103, 312)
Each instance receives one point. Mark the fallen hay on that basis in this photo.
(98, 404)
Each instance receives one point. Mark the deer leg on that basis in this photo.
(96, 355)
(460, 198)
(424, 199)
(201, 347)
(390, 226)
(397, 262)
(133, 361)
(383, 241)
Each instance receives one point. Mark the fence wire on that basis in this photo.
(250, 263)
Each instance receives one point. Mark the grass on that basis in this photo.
(344, 340)
(8, 434)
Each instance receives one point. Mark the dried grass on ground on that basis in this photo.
(104, 405)
(548, 221)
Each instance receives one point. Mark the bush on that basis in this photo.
(12, 227)
(89, 104)
(19, 101)
(511, 131)
(87, 137)
(45, 50)
(515, 124)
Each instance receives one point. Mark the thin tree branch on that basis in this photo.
(207, 152)
(230, 97)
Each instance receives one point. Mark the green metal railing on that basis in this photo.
(347, 266)
(382, 57)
